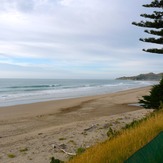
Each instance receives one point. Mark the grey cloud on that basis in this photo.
(22, 5)
(26, 6)
(74, 32)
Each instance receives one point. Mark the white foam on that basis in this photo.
(68, 91)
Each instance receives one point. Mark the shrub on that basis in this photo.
(53, 160)
(110, 132)
(80, 150)
(155, 99)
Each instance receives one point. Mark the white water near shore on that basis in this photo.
(24, 91)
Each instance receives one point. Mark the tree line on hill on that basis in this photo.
(150, 76)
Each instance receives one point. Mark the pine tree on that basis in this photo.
(156, 23)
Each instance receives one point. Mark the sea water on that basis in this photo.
(24, 91)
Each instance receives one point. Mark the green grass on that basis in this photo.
(11, 155)
(80, 150)
(124, 144)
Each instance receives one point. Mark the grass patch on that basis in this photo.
(110, 132)
(11, 155)
(80, 150)
(62, 139)
(125, 143)
(23, 150)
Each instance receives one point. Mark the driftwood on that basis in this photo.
(63, 150)
(68, 153)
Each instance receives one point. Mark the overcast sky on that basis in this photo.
(73, 39)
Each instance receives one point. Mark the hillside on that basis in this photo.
(149, 76)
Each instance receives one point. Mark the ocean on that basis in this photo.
(24, 91)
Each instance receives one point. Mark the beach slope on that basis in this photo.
(36, 132)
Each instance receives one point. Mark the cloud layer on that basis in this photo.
(72, 39)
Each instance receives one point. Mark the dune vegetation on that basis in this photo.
(124, 144)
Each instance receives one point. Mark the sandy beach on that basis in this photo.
(36, 132)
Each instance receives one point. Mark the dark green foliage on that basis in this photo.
(159, 51)
(156, 23)
(133, 124)
(80, 150)
(156, 4)
(154, 100)
(156, 41)
(53, 160)
(155, 15)
(110, 132)
(159, 33)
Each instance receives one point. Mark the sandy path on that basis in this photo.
(31, 131)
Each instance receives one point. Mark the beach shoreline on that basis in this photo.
(21, 91)
(44, 127)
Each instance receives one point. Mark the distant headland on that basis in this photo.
(148, 76)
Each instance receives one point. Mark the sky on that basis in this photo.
(81, 39)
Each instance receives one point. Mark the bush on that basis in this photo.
(155, 99)
(80, 150)
(53, 160)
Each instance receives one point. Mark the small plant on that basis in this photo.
(11, 155)
(161, 105)
(72, 141)
(53, 160)
(62, 138)
(132, 124)
(117, 122)
(23, 150)
(84, 133)
(135, 123)
(80, 150)
(111, 132)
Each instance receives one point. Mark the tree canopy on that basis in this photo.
(156, 22)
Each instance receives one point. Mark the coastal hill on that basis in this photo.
(149, 76)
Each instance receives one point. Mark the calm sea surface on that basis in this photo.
(23, 91)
